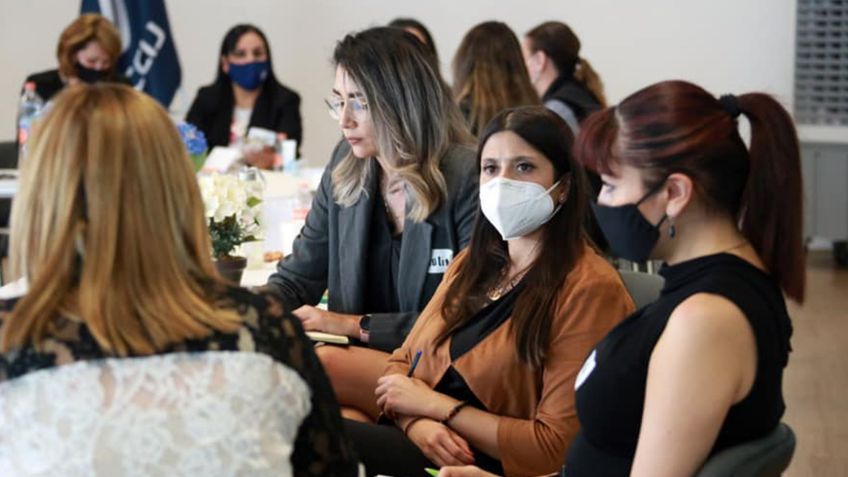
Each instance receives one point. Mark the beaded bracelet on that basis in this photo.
(454, 411)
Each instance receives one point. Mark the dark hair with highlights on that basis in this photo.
(677, 127)
(489, 74)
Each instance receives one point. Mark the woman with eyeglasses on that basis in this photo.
(246, 94)
(395, 205)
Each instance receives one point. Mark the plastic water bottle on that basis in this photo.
(302, 202)
(29, 108)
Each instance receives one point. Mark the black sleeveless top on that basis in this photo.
(610, 397)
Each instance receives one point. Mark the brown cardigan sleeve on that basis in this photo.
(593, 306)
(401, 358)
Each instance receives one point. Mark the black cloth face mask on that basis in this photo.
(89, 75)
(628, 232)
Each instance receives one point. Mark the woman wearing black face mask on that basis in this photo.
(88, 52)
(700, 369)
(246, 94)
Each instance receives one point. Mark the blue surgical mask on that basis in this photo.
(249, 75)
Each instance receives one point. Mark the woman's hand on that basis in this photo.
(398, 394)
(263, 158)
(315, 319)
(440, 444)
(464, 471)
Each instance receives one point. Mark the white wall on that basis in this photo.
(723, 45)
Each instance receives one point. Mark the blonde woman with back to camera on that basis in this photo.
(162, 368)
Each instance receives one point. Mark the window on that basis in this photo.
(821, 63)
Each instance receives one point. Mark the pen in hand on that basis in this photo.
(412, 367)
(414, 364)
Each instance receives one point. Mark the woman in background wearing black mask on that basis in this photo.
(246, 94)
(88, 52)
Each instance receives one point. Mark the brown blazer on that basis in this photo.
(538, 416)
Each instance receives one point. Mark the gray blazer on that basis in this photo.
(330, 251)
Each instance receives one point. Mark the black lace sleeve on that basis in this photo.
(321, 447)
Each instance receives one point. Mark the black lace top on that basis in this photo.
(321, 448)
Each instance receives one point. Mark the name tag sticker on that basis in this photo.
(585, 371)
(440, 260)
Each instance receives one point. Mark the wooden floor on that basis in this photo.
(816, 382)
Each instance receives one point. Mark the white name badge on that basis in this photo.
(585, 371)
(440, 260)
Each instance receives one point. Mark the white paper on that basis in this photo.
(265, 137)
(221, 158)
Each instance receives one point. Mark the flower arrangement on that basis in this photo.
(232, 208)
(195, 142)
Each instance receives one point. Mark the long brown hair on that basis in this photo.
(562, 241)
(562, 47)
(109, 227)
(489, 74)
(677, 127)
(415, 120)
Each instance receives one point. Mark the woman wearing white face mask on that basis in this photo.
(504, 336)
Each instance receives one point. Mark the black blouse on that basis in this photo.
(321, 448)
(611, 399)
(381, 296)
(486, 321)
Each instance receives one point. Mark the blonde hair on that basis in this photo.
(109, 228)
(414, 117)
(86, 28)
(489, 74)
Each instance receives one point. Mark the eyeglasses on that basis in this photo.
(358, 107)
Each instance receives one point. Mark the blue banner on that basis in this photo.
(149, 58)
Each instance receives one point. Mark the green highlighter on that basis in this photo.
(433, 472)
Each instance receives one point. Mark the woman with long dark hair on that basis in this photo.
(700, 369)
(494, 356)
(246, 94)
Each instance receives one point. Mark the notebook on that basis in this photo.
(328, 338)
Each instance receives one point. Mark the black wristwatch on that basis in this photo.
(364, 328)
(365, 323)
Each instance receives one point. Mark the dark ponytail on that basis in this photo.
(589, 78)
(561, 45)
(772, 205)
